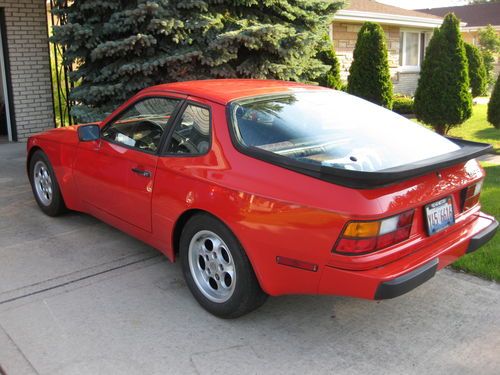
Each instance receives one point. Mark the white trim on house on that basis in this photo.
(388, 19)
(477, 28)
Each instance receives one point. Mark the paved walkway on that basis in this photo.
(79, 297)
(481, 100)
(491, 158)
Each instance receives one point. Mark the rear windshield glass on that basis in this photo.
(334, 129)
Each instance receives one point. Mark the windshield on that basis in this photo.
(334, 129)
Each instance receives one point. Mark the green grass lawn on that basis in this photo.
(485, 262)
(478, 129)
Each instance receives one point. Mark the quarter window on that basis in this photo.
(191, 135)
(142, 125)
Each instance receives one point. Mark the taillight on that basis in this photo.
(471, 195)
(361, 237)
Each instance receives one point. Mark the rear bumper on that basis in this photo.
(405, 274)
(403, 284)
(482, 237)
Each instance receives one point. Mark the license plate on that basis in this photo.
(439, 215)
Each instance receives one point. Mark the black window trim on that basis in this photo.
(171, 121)
(348, 178)
(163, 151)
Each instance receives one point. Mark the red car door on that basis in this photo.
(116, 174)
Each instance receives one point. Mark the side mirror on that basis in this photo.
(88, 133)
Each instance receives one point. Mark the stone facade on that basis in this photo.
(344, 39)
(27, 45)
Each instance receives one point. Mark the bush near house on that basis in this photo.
(369, 76)
(123, 46)
(327, 56)
(494, 105)
(477, 71)
(489, 44)
(442, 99)
(403, 105)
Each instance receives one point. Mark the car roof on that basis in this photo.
(224, 91)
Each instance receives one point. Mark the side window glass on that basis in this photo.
(142, 125)
(191, 135)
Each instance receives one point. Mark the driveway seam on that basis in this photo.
(68, 275)
(12, 344)
(77, 280)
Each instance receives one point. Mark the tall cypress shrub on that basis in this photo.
(121, 46)
(477, 71)
(327, 55)
(494, 105)
(369, 75)
(442, 99)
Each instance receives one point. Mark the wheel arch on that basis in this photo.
(181, 223)
(31, 151)
(187, 215)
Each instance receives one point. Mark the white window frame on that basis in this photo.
(411, 68)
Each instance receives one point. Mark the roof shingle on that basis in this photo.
(375, 7)
(473, 15)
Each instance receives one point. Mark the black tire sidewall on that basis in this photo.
(247, 294)
(56, 207)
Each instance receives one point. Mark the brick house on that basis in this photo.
(408, 33)
(25, 79)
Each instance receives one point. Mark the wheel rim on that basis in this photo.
(43, 183)
(212, 266)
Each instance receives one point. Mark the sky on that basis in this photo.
(420, 4)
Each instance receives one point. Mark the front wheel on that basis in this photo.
(44, 185)
(217, 270)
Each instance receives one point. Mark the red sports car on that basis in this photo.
(270, 188)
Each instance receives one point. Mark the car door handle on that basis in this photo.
(141, 172)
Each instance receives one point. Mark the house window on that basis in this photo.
(412, 49)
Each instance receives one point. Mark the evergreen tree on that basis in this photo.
(477, 71)
(121, 46)
(369, 75)
(328, 57)
(489, 44)
(443, 99)
(494, 105)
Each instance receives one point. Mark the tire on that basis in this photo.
(44, 185)
(217, 270)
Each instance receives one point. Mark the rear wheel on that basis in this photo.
(44, 185)
(217, 270)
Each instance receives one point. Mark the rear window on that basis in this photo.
(333, 129)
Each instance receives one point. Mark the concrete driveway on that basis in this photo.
(79, 297)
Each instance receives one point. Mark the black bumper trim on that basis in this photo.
(403, 284)
(482, 237)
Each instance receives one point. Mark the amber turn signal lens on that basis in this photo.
(362, 229)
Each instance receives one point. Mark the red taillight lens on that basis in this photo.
(360, 237)
(471, 196)
(355, 246)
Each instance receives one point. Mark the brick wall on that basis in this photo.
(405, 83)
(26, 24)
(344, 40)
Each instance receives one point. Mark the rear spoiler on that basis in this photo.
(370, 180)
